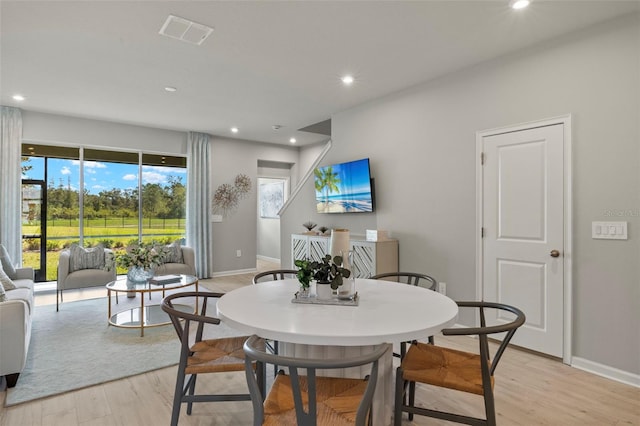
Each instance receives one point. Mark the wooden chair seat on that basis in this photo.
(444, 367)
(301, 397)
(457, 370)
(337, 400)
(217, 355)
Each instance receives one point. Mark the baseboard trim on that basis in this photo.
(236, 272)
(268, 259)
(605, 371)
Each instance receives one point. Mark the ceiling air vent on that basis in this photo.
(185, 30)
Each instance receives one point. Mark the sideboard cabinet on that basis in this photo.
(369, 257)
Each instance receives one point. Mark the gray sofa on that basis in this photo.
(15, 325)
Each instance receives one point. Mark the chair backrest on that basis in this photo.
(484, 330)
(411, 278)
(254, 353)
(182, 320)
(273, 275)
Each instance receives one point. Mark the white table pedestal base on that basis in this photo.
(383, 397)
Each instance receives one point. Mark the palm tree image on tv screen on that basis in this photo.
(344, 188)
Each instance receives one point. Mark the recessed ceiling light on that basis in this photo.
(347, 80)
(293, 140)
(18, 98)
(170, 89)
(519, 4)
(234, 130)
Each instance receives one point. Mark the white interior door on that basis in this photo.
(523, 221)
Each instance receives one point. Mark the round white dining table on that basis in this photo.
(387, 313)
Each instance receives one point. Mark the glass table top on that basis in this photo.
(123, 284)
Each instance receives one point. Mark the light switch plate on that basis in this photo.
(216, 218)
(609, 230)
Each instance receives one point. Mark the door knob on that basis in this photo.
(555, 253)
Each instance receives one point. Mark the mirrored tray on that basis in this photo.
(312, 300)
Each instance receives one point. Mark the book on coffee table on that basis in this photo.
(165, 279)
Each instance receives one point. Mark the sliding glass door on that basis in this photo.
(50, 206)
(34, 231)
(91, 197)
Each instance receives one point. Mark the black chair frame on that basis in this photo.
(488, 367)
(311, 365)
(185, 388)
(276, 274)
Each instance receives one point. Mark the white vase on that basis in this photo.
(324, 291)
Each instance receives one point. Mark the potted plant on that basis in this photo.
(140, 260)
(329, 275)
(305, 275)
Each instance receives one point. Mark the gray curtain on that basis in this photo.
(199, 201)
(11, 182)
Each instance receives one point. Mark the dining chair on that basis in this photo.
(411, 278)
(273, 275)
(454, 369)
(309, 399)
(200, 356)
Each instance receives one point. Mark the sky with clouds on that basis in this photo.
(100, 176)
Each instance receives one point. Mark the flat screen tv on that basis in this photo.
(344, 188)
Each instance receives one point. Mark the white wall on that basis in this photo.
(308, 156)
(238, 231)
(422, 148)
(65, 130)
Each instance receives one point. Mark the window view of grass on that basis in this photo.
(111, 216)
(116, 235)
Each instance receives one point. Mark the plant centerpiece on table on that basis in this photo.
(330, 271)
(140, 260)
(305, 274)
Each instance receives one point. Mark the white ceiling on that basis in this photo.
(266, 62)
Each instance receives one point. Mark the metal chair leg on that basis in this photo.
(177, 397)
(412, 397)
(399, 398)
(192, 389)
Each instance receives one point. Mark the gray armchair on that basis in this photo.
(187, 267)
(84, 277)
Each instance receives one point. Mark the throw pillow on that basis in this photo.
(172, 252)
(3, 296)
(5, 260)
(86, 258)
(5, 281)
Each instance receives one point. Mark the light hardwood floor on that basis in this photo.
(530, 390)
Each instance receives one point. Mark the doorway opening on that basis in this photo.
(273, 192)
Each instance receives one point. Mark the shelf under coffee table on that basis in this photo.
(145, 316)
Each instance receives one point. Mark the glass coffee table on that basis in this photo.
(145, 316)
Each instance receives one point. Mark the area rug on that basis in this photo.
(75, 348)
